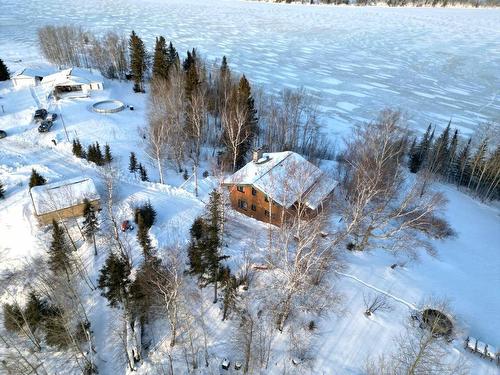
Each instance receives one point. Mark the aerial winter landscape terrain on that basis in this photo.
(226, 187)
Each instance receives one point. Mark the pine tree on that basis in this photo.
(34, 311)
(108, 158)
(195, 249)
(132, 164)
(99, 158)
(36, 179)
(172, 55)
(2, 191)
(160, 59)
(212, 244)
(143, 173)
(12, 317)
(245, 99)
(78, 149)
(4, 72)
(143, 238)
(230, 293)
(59, 252)
(90, 223)
(463, 163)
(114, 280)
(450, 167)
(138, 63)
(440, 152)
(148, 214)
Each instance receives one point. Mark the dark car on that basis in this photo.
(40, 115)
(51, 117)
(3, 134)
(45, 126)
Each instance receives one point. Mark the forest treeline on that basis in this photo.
(398, 3)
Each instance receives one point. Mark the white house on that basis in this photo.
(30, 76)
(72, 82)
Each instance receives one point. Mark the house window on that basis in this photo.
(254, 207)
(266, 212)
(254, 192)
(242, 204)
(240, 188)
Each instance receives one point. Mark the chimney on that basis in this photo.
(256, 154)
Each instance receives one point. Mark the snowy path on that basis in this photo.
(397, 299)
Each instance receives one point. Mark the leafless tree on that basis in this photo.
(375, 302)
(381, 207)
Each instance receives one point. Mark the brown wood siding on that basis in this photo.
(65, 213)
(261, 206)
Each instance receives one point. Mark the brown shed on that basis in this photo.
(272, 185)
(63, 199)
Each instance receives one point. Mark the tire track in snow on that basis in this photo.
(397, 299)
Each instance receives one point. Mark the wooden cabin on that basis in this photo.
(63, 199)
(275, 185)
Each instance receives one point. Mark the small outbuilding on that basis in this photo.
(29, 77)
(73, 82)
(63, 199)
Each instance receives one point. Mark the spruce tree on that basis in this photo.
(143, 173)
(138, 63)
(4, 72)
(172, 56)
(90, 223)
(251, 129)
(34, 311)
(143, 238)
(114, 280)
(230, 293)
(36, 179)
(132, 164)
(450, 166)
(160, 59)
(108, 158)
(440, 151)
(148, 214)
(463, 163)
(2, 191)
(59, 252)
(195, 249)
(78, 149)
(12, 317)
(99, 158)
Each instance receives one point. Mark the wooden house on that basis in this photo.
(63, 199)
(275, 185)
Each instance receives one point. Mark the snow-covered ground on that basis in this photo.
(433, 63)
(436, 64)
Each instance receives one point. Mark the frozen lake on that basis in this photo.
(435, 64)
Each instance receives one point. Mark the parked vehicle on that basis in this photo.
(3, 134)
(45, 126)
(51, 117)
(40, 115)
(126, 225)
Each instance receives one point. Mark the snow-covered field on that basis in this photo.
(433, 63)
(436, 64)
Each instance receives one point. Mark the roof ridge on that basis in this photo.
(289, 153)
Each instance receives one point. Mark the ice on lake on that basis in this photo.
(423, 61)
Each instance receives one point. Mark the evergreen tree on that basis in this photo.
(36, 179)
(56, 332)
(477, 162)
(90, 223)
(12, 317)
(143, 238)
(148, 214)
(132, 164)
(245, 99)
(138, 62)
(143, 173)
(78, 149)
(4, 72)
(195, 249)
(172, 56)
(99, 158)
(108, 158)
(212, 244)
(2, 191)
(440, 152)
(463, 163)
(230, 293)
(59, 252)
(450, 166)
(160, 59)
(34, 311)
(114, 280)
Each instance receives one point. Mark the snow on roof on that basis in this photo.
(71, 76)
(320, 191)
(63, 194)
(284, 177)
(34, 72)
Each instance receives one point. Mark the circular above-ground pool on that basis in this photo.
(108, 106)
